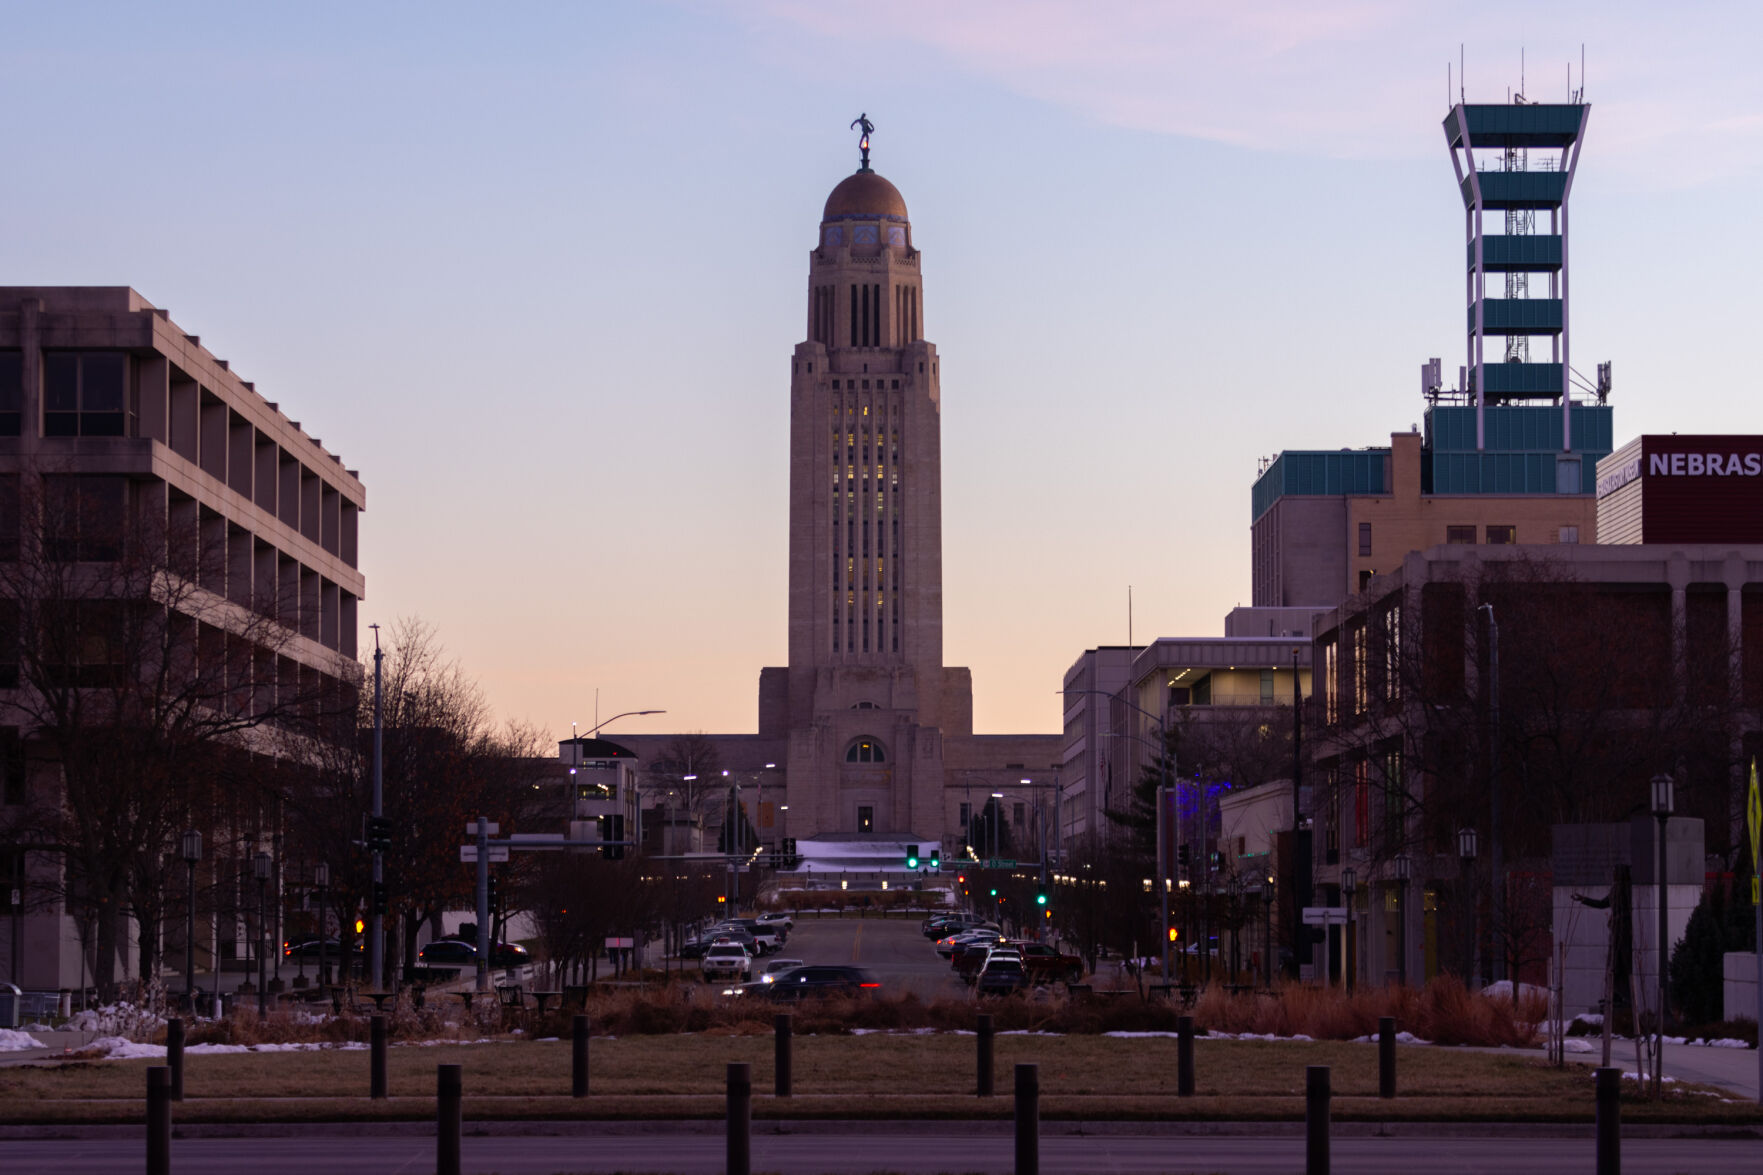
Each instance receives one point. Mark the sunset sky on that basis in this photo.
(536, 271)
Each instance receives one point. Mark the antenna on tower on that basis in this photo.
(1521, 74)
(1460, 68)
(1448, 86)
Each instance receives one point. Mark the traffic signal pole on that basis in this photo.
(483, 904)
(376, 943)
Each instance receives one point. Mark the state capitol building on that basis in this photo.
(865, 738)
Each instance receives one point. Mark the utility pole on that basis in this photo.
(376, 943)
(1301, 849)
(483, 904)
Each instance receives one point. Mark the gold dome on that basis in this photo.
(862, 195)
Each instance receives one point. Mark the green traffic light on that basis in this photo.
(1040, 899)
(994, 893)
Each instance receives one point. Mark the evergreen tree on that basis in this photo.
(1719, 924)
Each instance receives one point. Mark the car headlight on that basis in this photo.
(768, 979)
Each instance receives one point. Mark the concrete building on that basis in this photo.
(1616, 663)
(113, 422)
(866, 734)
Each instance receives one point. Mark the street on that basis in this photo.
(906, 1148)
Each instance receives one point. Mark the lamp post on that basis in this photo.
(1404, 869)
(321, 879)
(992, 822)
(1349, 885)
(191, 853)
(261, 864)
(1662, 805)
(1267, 895)
(1466, 854)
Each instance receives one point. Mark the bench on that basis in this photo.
(511, 995)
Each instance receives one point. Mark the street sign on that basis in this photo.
(468, 853)
(1325, 915)
(998, 863)
(471, 828)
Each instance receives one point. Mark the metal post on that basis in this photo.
(781, 1058)
(174, 1056)
(189, 945)
(1163, 873)
(984, 1039)
(449, 1117)
(740, 1118)
(1028, 1119)
(376, 945)
(1300, 891)
(483, 904)
(1664, 967)
(1386, 1056)
(1609, 1120)
(262, 946)
(158, 1120)
(377, 1057)
(1184, 1056)
(1497, 898)
(578, 1058)
(1316, 1120)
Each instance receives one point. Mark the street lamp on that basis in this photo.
(1662, 805)
(321, 879)
(1349, 885)
(1267, 896)
(1404, 869)
(262, 864)
(1466, 853)
(191, 853)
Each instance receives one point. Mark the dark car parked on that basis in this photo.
(1002, 977)
(448, 952)
(807, 982)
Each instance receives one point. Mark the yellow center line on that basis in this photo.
(857, 943)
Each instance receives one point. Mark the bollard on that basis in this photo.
(1609, 1128)
(578, 1057)
(159, 1120)
(1028, 1119)
(984, 1038)
(740, 1118)
(1386, 1056)
(781, 1064)
(449, 1117)
(1316, 1120)
(376, 1080)
(174, 1056)
(1184, 1056)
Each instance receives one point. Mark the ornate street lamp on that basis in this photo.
(262, 865)
(191, 851)
(1349, 886)
(1662, 805)
(1404, 870)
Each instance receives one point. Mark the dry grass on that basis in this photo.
(885, 1076)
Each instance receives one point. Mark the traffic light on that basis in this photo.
(360, 926)
(962, 878)
(994, 891)
(1174, 934)
(379, 833)
(492, 891)
(911, 856)
(936, 856)
(720, 899)
(379, 898)
(1041, 896)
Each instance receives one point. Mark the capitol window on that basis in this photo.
(866, 751)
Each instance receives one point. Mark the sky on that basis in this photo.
(536, 271)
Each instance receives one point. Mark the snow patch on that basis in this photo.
(12, 1042)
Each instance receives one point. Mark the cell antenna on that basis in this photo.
(1460, 68)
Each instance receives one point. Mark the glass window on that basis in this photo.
(84, 394)
(865, 819)
(1460, 534)
(1365, 538)
(11, 393)
(83, 518)
(866, 750)
(1502, 535)
(1567, 534)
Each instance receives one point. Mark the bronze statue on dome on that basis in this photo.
(862, 120)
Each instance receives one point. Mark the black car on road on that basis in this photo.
(800, 983)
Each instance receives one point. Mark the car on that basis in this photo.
(800, 983)
(1002, 975)
(694, 948)
(727, 960)
(509, 954)
(778, 918)
(309, 949)
(947, 947)
(448, 952)
(777, 966)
